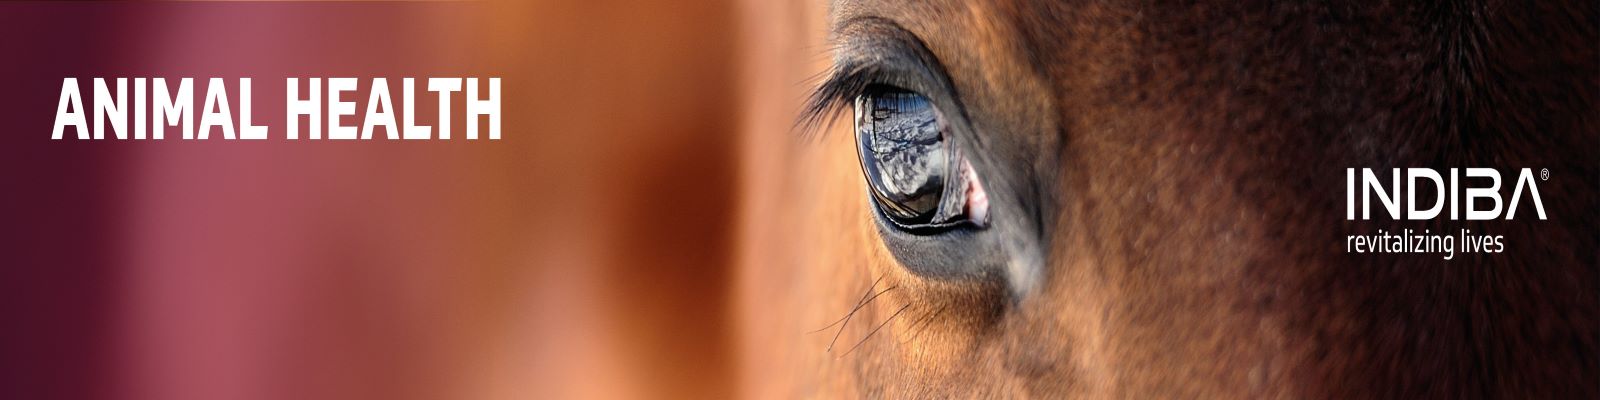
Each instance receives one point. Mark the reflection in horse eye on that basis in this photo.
(907, 160)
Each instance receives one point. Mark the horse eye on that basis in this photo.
(915, 174)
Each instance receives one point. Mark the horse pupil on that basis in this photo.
(903, 153)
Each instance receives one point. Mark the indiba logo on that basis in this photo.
(1482, 199)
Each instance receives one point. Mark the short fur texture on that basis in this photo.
(1189, 160)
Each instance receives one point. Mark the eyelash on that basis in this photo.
(835, 95)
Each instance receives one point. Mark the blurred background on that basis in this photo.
(592, 252)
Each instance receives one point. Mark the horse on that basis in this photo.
(1132, 199)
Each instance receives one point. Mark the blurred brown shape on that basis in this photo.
(585, 255)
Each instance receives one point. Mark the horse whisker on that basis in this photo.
(846, 321)
(875, 330)
(859, 303)
(921, 324)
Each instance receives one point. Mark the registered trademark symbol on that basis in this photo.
(1544, 174)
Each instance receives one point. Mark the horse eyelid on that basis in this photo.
(834, 95)
(892, 57)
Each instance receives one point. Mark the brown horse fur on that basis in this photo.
(1185, 164)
